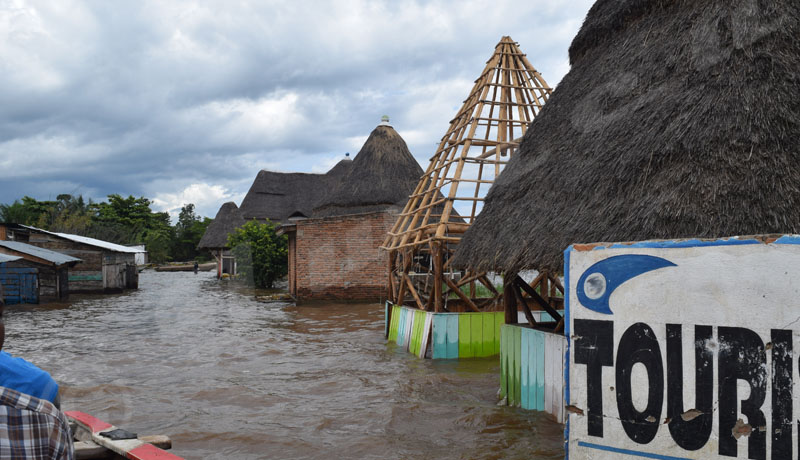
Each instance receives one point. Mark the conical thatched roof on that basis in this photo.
(340, 169)
(678, 119)
(227, 220)
(382, 175)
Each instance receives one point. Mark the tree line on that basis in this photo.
(118, 220)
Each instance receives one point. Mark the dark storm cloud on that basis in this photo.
(185, 102)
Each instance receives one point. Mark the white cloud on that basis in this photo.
(206, 197)
(152, 98)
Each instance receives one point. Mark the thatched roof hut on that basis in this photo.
(382, 176)
(276, 196)
(227, 220)
(678, 119)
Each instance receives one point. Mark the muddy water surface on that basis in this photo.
(228, 377)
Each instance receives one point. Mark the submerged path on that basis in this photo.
(227, 377)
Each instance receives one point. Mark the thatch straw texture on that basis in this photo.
(227, 220)
(276, 196)
(383, 175)
(678, 119)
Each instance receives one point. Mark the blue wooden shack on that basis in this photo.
(31, 274)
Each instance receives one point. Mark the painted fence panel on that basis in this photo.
(426, 335)
(449, 335)
(684, 349)
(540, 377)
(532, 369)
(452, 336)
(408, 328)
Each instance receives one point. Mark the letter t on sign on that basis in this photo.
(594, 346)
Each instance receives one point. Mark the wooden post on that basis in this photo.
(509, 299)
(390, 293)
(438, 275)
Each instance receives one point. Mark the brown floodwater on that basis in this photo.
(229, 377)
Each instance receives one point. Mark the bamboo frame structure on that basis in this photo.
(481, 138)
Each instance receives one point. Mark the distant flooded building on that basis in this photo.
(31, 274)
(334, 252)
(275, 197)
(104, 266)
(215, 239)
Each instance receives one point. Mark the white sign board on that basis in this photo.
(683, 350)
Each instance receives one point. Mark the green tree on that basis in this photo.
(29, 211)
(128, 220)
(188, 231)
(261, 255)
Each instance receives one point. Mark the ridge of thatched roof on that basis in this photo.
(227, 220)
(382, 175)
(678, 119)
(341, 168)
(276, 195)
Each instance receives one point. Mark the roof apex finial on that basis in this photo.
(385, 121)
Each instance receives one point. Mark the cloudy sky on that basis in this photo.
(184, 102)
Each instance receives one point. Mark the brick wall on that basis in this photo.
(339, 258)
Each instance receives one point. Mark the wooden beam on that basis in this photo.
(460, 294)
(536, 297)
(485, 281)
(525, 308)
(413, 291)
(438, 274)
(390, 292)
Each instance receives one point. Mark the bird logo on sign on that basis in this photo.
(601, 279)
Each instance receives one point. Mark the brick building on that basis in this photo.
(335, 253)
(275, 197)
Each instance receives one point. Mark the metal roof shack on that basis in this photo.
(32, 274)
(90, 241)
(104, 266)
(15, 248)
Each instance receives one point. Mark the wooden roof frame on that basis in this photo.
(485, 132)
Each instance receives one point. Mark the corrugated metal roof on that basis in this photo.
(98, 243)
(42, 253)
(90, 241)
(7, 258)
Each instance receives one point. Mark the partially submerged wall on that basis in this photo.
(339, 258)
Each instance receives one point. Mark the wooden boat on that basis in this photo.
(92, 441)
(186, 267)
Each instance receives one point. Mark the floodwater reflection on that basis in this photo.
(228, 377)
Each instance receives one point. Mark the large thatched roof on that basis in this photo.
(227, 220)
(276, 196)
(678, 119)
(383, 175)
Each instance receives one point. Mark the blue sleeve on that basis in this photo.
(20, 375)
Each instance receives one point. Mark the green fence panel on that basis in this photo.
(504, 348)
(499, 321)
(489, 339)
(464, 337)
(476, 334)
(516, 348)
